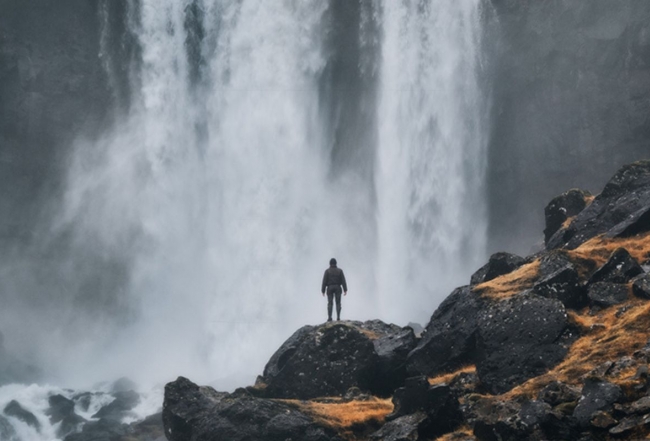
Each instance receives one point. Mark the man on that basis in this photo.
(333, 279)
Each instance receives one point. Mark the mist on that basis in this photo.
(240, 146)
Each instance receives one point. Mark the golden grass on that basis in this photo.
(462, 434)
(599, 248)
(606, 337)
(447, 378)
(347, 418)
(510, 284)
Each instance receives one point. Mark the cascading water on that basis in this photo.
(261, 138)
(432, 150)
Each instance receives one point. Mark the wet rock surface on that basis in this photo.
(14, 409)
(605, 294)
(562, 208)
(619, 268)
(449, 339)
(621, 210)
(498, 265)
(191, 412)
(329, 359)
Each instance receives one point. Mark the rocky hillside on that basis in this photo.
(552, 346)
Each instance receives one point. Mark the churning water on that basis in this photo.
(256, 139)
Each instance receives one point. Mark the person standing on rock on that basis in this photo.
(333, 279)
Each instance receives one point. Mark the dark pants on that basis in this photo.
(332, 293)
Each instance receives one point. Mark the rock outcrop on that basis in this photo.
(551, 346)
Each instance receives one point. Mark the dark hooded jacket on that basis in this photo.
(333, 278)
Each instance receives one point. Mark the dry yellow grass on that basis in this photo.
(510, 284)
(606, 337)
(600, 248)
(462, 434)
(446, 378)
(348, 418)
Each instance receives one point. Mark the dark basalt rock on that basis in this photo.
(562, 208)
(392, 349)
(498, 265)
(607, 294)
(404, 428)
(15, 410)
(449, 339)
(193, 413)
(120, 407)
(534, 413)
(519, 338)
(621, 210)
(557, 392)
(62, 411)
(641, 286)
(596, 395)
(620, 268)
(329, 359)
(102, 430)
(563, 285)
(629, 423)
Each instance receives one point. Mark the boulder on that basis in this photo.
(120, 407)
(404, 428)
(329, 359)
(563, 285)
(61, 411)
(448, 341)
(563, 207)
(596, 395)
(498, 265)
(607, 294)
(619, 268)
(641, 286)
(191, 412)
(621, 210)
(392, 347)
(14, 409)
(533, 413)
(519, 338)
(557, 392)
(102, 430)
(629, 423)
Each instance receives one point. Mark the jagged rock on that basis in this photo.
(61, 411)
(102, 430)
(629, 423)
(15, 410)
(498, 265)
(557, 392)
(327, 360)
(641, 286)
(561, 208)
(118, 408)
(519, 338)
(602, 420)
(605, 294)
(7, 431)
(640, 406)
(534, 413)
(559, 427)
(563, 285)
(449, 339)
(405, 428)
(596, 395)
(191, 412)
(439, 402)
(619, 268)
(411, 398)
(621, 210)
(504, 430)
(392, 349)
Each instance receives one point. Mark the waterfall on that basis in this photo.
(431, 154)
(253, 141)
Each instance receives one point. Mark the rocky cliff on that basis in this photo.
(551, 346)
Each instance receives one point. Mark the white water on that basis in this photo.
(219, 193)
